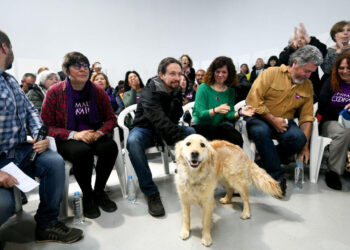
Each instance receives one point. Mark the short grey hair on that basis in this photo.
(44, 75)
(305, 54)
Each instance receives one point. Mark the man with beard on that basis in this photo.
(17, 114)
(279, 95)
(157, 115)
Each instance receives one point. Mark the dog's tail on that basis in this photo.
(263, 181)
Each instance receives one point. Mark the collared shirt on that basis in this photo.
(16, 114)
(273, 92)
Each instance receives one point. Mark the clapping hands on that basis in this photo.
(301, 38)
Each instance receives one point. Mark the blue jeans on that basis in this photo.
(289, 143)
(49, 167)
(139, 140)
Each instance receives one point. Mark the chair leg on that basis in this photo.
(120, 168)
(65, 210)
(165, 157)
(316, 154)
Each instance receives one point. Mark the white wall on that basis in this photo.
(136, 34)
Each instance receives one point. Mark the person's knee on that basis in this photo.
(258, 131)
(134, 141)
(109, 148)
(190, 131)
(7, 208)
(55, 164)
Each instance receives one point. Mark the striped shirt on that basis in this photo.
(17, 114)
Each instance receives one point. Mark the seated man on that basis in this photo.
(16, 113)
(278, 95)
(158, 112)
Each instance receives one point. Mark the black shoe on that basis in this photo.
(102, 200)
(24, 198)
(333, 180)
(58, 233)
(90, 208)
(155, 206)
(283, 185)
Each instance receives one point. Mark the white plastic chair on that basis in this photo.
(188, 107)
(129, 168)
(248, 146)
(317, 146)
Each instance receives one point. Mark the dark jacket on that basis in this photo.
(243, 87)
(36, 96)
(325, 109)
(253, 74)
(315, 79)
(160, 111)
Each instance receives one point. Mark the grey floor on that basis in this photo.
(314, 218)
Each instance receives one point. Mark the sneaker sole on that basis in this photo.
(59, 241)
(156, 215)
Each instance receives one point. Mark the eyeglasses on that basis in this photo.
(77, 66)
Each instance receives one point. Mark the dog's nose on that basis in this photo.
(194, 154)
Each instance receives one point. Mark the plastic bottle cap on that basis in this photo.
(130, 177)
(77, 193)
(298, 164)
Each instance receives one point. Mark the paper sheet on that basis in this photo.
(26, 183)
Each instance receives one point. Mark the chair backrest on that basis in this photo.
(123, 116)
(187, 108)
(239, 105)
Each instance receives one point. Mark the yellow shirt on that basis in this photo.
(273, 92)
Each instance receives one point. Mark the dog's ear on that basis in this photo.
(211, 154)
(178, 150)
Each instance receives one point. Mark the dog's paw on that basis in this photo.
(206, 240)
(184, 234)
(225, 200)
(245, 216)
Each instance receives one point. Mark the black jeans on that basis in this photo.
(81, 155)
(224, 131)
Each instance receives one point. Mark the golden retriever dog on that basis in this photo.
(201, 165)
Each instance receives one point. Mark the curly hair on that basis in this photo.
(126, 81)
(220, 62)
(336, 80)
(93, 77)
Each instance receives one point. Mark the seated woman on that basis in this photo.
(334, 97)
(213, 110)
(80, 117)
(243, 86)
(37, 94)
(102, 80)
(132, 88)
(272, 62)
(258, 68)
(188, 95)
(340, 34)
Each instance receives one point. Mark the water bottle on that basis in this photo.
(78, 209)
(131, 190)
(299, 173)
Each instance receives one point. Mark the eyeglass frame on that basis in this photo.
(77, 66)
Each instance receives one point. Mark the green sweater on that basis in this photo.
(208, 98)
